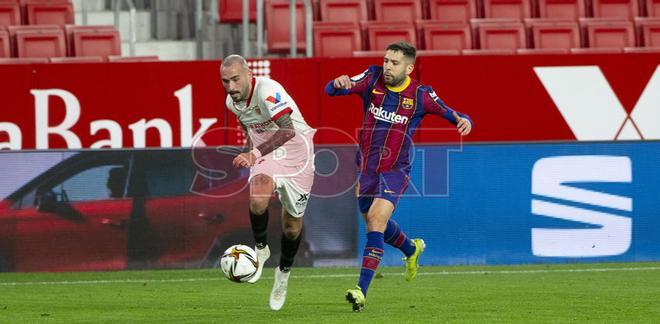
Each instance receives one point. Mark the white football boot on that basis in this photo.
(278, 294)
(262, 257)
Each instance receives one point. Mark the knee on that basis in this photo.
(376, 223)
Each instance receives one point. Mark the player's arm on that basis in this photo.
(434, 105)
(345, 85)
(248, 141)
(281, 136)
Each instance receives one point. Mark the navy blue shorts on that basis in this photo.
(386, 185)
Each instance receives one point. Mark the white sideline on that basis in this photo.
(437, 273)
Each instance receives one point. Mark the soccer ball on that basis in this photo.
(239, 263)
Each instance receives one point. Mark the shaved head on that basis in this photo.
(234, 59)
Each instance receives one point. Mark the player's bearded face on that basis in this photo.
(237, 82)
(396, 68)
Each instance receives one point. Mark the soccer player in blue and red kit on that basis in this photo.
(394, 105)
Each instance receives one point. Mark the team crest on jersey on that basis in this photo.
(407, 103)
(257, 111)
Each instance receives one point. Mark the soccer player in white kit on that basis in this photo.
(280, 158)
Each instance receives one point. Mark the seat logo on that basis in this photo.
(600, 229)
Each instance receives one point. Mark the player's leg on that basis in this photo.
(376, 221)
(261, 190)
(291, 237)
(294, 195)
(393, 186)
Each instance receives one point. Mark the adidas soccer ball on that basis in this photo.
(239, 263)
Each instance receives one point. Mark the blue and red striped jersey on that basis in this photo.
(391, 116)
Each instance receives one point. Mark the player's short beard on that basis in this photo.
(395, 81)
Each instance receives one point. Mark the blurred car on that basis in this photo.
(131, 209)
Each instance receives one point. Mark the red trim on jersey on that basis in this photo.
(282, 113)
(254, 81)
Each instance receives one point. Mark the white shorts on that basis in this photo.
(293, 178)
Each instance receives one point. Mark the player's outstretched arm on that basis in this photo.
(345, 85)
(434, 105)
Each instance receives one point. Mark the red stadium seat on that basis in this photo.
(13, 29)
(49, 13)
(40, 43)
(68, 31)
(562, 9)
(608, 33)
(336, 39)
(452, 10)
(343, 10)
(278, 24)
(129, 59)
(627, 9)
(5, 48)
(553, 34)
(397, 10)
(516, 9)
(499, 35)
(444, 35)
(83, 59)
(381, 34)
(90, 41)
(10, 14)
(231, 11)
(648, 31)
(15, 60)
(652, 8)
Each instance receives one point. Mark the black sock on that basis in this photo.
(260, 228)
(289, 250)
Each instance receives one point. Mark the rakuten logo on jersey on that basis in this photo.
(593, 111)
(387, 116)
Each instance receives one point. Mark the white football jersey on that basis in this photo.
(267, 102)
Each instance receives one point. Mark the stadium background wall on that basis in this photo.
(478, 210)
(503, 94)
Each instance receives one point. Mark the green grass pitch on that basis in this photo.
(606, 292)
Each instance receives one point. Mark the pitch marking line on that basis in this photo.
(437, 273)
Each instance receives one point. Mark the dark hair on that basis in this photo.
(407, 49)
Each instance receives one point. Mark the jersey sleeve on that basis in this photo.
(434, 105)
(361, 84)
(276, 101)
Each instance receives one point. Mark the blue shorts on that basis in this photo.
(388, 185)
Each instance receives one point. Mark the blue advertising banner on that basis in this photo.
(532, 203)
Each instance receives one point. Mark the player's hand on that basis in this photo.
(464, 126)
(343, 82)
(244, 160)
